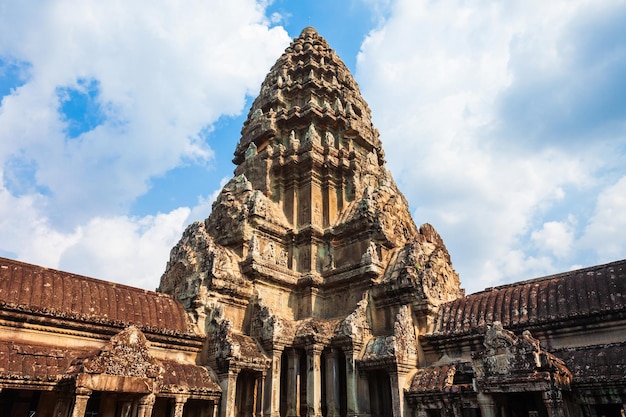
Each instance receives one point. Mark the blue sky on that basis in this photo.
(504, 123)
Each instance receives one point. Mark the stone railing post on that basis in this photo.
(179, 405)
(146, 403)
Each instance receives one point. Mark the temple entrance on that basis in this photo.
(380, 394)
(523, 404)
(246, 394)
(19, 402)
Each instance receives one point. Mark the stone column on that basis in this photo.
(80, 402)
(396, 380)
(272, 386)
(353, 395)
(553, 401)
(146, 403)
(293, 383)
(179, 404)
(332, 383)
(260, 383)
(487, 405)
(228, 383)
(362, 393)
(314, 381)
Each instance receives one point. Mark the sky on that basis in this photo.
(503, 123)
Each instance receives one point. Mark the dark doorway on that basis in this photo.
(380, 394)
(19, 402)
(609, 410)
(244, 394)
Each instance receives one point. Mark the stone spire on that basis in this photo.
(312, 208)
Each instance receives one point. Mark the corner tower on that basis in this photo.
(310, 254)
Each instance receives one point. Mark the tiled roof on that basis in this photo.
(437, 379)
(433, 379)
(49, 292)
(35, 363)
(195, 378)
(596, 364)
(575, 294)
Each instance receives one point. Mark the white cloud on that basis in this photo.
(445, 81)
(162, 73)
(165, 72)
(555, 237)
(125, 249)
(604, 234)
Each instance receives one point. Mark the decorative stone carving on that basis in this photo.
(312, 136)
(269, 253)
(424, 265)
(356, 325)
(318, 230)
(507, 356)
(127, 354)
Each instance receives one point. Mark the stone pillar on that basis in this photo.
(553, 401)
(353, 395)
(272, 386)
(215, 410)
(146, 403)
(62, 406)
(80, 402)
(487, 405)
(260, 384)
(228, 383)
(179, 404)
(314, 381)
(293, 383)
(397, 380)
(332, 383)
(362, 393)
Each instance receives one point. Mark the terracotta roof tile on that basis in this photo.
(35, 362)
(61, 294)
(581, 293)
(437, 379)
(593, 364)
(193, 377)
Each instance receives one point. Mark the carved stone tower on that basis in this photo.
(309, 277)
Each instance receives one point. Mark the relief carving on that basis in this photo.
(127, 354)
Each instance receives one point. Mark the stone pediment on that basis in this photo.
(127, 355)
(397, 350)
(519, 360)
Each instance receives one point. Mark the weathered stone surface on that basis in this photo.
(127, 354)
(518, 360)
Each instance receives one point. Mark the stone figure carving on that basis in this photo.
(371, 254)
(253, 246)
(312, 136)
(269, 253)
(283, 258)
(329, 140)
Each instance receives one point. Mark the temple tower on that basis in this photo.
(309, 277)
